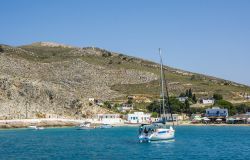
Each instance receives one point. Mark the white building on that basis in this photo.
(207, 101)
(109, 118)
(139, 117)
(182, 99)
(92, 100)
(247, 97)
(168, 117)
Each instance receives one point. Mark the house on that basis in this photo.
(131, 97)
(209, 101)
(182, 99)
(125, 107)
(96, 101)
(92, 100)
(109, 118)
(247, 97)
(216, 113)
(169, 119)
(139, 117)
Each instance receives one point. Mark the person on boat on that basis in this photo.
(145, 131)
(140, 130)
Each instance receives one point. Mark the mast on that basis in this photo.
(162, 88)
(163, 79)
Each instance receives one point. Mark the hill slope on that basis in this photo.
(55, 79)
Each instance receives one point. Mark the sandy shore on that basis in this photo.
(61, 122)
(46, 122)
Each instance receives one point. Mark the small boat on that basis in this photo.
(32, 127)
(85, 125)
(35, 127)
(40, 128)
(104, 126)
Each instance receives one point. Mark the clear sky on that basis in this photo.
(205, 36)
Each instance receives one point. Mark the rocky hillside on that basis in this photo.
(50, 79)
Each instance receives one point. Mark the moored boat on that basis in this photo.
(85, 125)
(104, 126)
(159, 131)
(155, 132)
(35, 127)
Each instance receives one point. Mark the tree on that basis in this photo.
(154, 107)
(187, 106)
(130, 101)
(182, 95)
(194, 98)
(107, 104)
(242, 108)
(176, 105)
(217, 96)
(186, 93)
(190, 94)
(1, 48)
(228, 105)
(154, 114)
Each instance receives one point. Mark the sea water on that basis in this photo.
(191, 143)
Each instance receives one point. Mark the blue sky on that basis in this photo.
(210, 37)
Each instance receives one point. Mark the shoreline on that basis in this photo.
(44, 122)
(62, 122)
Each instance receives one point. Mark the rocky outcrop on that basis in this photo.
(60, 88)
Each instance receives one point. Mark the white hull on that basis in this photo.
(163, 134)
(158, 135)
(36, 128)
(84, 126)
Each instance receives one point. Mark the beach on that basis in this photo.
(64, 122)
(44, 122)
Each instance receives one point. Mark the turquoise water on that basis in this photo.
(192, 143)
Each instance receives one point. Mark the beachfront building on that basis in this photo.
(139, 117)
(209, 101)
(169, 118)
(155, 119)
(239, 119)
(216, 114)
(109, 118)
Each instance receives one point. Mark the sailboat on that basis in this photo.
(158, 131)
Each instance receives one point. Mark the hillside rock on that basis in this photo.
(58, 88)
